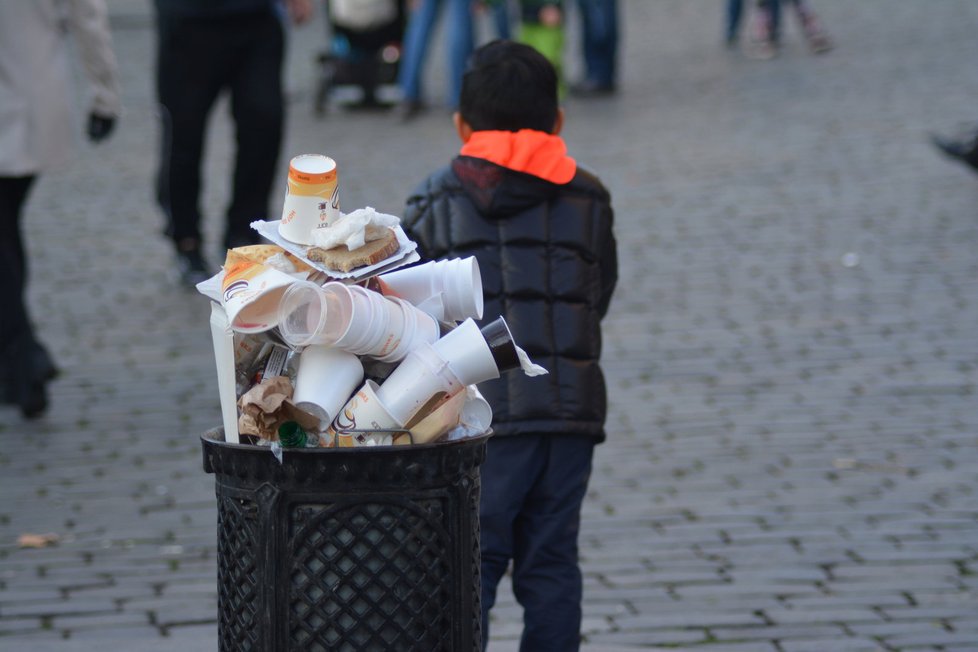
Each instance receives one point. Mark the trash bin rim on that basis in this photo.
(207, 437)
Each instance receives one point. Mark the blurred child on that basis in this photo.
(765, 33)
(542, 26)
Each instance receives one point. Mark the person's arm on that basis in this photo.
(608, 258)
(88, 21)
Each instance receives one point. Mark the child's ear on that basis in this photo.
(463, 128)
(558, 123)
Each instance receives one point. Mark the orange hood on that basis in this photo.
(532, 152)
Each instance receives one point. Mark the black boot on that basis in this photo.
(27, 370)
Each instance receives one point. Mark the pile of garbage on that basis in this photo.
(334, 336)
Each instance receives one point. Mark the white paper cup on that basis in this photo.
(310, 314)
(312, 199)
(422, 376)
(419, 328)
(369, 324)
(476, 412)
(395, 330)
(325, 380)
(467, 354)
(360, 419)
(414, 284)
(457, 282)
(462, 289)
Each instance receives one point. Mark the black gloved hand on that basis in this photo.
(99, 127)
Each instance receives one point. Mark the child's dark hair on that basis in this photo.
(509, 86)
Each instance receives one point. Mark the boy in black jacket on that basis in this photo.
(541, 229)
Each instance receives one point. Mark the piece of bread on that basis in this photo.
(381, 243)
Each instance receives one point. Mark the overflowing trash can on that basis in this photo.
(345, 549)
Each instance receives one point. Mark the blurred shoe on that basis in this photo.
(591, 88)
(818, 41)
(28, 368)
(408, 110)
(964, 148)
(192, 267)
(762, 43)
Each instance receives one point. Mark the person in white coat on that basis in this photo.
(37, 118)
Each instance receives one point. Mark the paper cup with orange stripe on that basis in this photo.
(312, 200)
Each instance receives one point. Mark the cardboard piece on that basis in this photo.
(223, 338)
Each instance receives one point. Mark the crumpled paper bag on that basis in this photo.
(268, 405)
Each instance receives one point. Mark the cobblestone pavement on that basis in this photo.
(792, 357)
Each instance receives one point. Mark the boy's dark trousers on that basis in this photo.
(532, 490)
(198, 58)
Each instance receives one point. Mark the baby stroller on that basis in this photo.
(365, 49)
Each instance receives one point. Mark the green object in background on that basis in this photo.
(291, 435)
(548, 41)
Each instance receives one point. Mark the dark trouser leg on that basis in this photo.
(258, 109)
(15, 324)
(504, 484)
(25, 366)
(190, 71)
(532, 489)
(600, 24)
(546, 575)
(735, 10)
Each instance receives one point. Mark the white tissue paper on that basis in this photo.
(529, 367)
(350, 229)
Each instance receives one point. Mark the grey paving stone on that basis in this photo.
(791, 352)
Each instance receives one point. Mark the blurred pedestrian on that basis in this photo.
(422, 19)
(734, 17)
(36, 133)
(962, 148)
(542, 26)
(204, 49)
(501, 15)
(541, 228)
(599, 40)
(766, 29)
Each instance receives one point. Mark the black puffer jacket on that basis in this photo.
(549, 265)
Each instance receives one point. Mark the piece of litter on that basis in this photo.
(30, 540)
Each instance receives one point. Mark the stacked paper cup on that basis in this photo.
(449, 289)
(353, 319)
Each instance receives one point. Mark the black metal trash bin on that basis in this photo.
(343, 549)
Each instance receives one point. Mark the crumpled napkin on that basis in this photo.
(350, 229)
(529, 367)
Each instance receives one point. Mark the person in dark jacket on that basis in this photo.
(541, 228)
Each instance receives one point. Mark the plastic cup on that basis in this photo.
(360, 419)
(310, 314)
(422, 378)
(501, 344)
(466, 352)
(325, 380)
